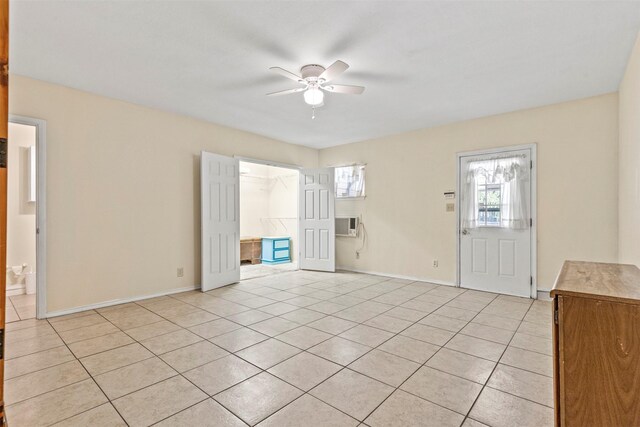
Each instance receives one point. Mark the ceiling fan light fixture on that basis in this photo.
(314, 79)
(313, 96)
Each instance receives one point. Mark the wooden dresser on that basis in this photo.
(596, 345)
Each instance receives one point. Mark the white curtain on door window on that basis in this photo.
(469, 197)
(512, 174)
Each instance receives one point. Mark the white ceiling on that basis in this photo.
(423, 63)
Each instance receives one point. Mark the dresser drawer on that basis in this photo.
(281, 244)
(281, 254)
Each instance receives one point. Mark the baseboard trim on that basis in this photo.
(119, 301)
(543, 294)
(13, 290)
(397, 276)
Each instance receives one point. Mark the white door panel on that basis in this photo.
(220, 233)
(317, 219)
(495, 258)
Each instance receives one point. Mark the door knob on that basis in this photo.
(465, 232)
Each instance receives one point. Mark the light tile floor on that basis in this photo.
(252, 271)
(20, 307)
(294, 349)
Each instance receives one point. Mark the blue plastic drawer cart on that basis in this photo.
(276, 250)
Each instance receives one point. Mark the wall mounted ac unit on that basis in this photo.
(347, 226)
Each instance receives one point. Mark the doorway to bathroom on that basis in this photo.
(25, 209)
(268, 218)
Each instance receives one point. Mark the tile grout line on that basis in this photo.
(373, 348)
(343, 367)
(90, 376)
(495, 367)
(158, 356)
(299, 325)
(420, 367)
(92, 379)
(396, 334)
(110, 401)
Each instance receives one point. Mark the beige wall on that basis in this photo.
(254, 200)
(123, 190)
(407, 174)
(283, 206)
(629, 161)
(123, 197)
(21, 214)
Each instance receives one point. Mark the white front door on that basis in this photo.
(220, 234)
(317, 220)
(495, 222)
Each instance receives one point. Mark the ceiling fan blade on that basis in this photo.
(287, 74)
(286, 92)
(353, 90)
(334, 71)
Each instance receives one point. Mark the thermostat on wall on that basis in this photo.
(450, 195)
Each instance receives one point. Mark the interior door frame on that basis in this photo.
(41, 209)
(285, 166)
(534, 207)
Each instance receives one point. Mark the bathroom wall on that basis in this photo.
(21, 214)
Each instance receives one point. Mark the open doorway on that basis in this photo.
(21, 222)
(313, 238)
(268, 219)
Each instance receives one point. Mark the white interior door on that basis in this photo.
(220, 209)
(317, 220)
(494, 255)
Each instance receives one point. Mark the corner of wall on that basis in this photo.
(629, 161)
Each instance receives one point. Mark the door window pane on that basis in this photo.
(489, 204)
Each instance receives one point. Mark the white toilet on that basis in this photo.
(18, 274)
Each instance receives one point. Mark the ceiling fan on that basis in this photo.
(316, 79)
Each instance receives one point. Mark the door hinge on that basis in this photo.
(531, 280)
(2, 344)
(530, 222)
(3, 153)
(530, 164)
(555, 316)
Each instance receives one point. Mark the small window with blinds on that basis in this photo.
(350, 181)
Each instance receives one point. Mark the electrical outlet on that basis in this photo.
(357, 255)
(435, 263)
(180, 272)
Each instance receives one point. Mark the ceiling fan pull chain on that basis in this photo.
(313, 114)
